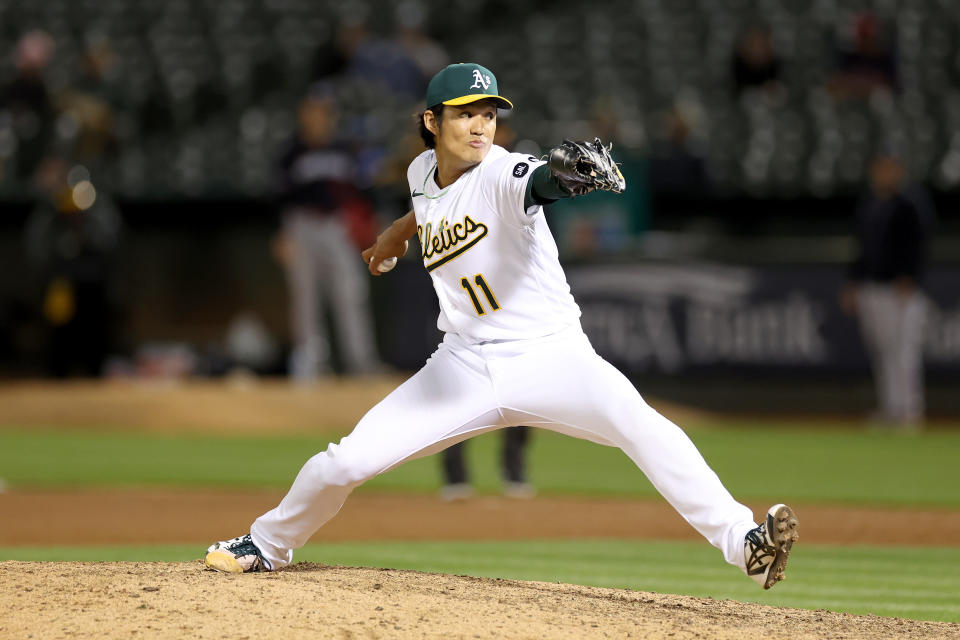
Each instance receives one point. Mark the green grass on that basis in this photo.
(52, 458)
(918, 583)
(814, 465)
(832, 463)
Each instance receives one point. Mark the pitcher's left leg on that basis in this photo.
(568, 388)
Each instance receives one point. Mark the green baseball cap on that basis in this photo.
(464, 83)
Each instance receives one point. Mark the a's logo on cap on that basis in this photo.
(480, 81)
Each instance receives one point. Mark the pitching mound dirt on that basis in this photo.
(183, 600)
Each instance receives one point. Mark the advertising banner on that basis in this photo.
(655, 318)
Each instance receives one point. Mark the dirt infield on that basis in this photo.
(182, 600)
(167, 516)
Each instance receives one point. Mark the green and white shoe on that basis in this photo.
(238, 555)
(767, 547)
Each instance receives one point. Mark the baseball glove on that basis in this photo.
(582, 167)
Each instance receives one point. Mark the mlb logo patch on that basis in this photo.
(520, 169)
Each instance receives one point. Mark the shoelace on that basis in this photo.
(761, 553)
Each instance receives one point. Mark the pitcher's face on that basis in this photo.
(465, 134)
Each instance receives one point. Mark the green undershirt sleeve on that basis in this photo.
(543, 188)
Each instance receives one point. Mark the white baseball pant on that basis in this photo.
(556, 382)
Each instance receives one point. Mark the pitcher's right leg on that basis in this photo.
(448, 398)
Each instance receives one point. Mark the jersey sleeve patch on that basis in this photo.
(508, 176)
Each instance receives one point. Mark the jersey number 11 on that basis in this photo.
(482, 284)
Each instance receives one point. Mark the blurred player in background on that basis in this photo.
(513, 468)
(73, 233)
(324, 218)
(893, 227)
(71, 239)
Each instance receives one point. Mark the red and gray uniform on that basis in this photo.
(316, 189)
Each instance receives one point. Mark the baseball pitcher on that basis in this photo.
(513, 352)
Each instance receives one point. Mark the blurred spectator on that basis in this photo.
(71, 237)
(428, 54)
(755, 63)
(91, 104)
(378, 73)
(866, 63)
(380, 62)
(884, 289)
(26, 101)
(677, 165)
(325, 219)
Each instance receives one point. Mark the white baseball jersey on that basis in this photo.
(494, 265)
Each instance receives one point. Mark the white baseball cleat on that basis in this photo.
(767, 547)
(456, 492)
(239, 555)
(519, 490)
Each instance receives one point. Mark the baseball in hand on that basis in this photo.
(387, 265)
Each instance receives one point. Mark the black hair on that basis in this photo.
(429, 140)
